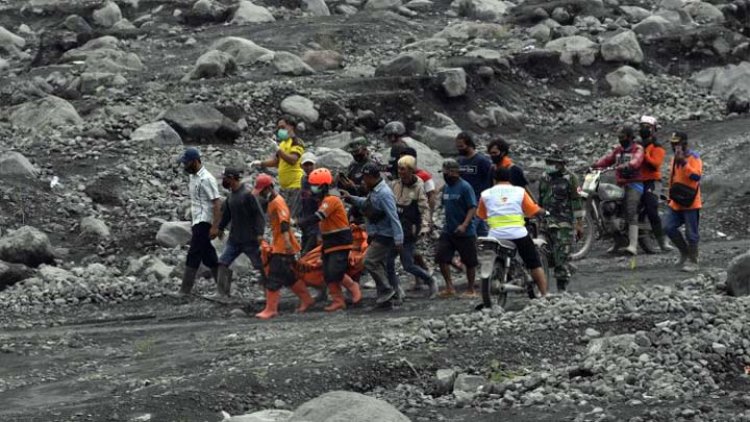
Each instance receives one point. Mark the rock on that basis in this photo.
(337, 140)
(288, 64)
(490, 10)
(463, 31)
(420, 5)
(592, 333)
(205, 11)
(427, 44)
(561, 16)
(212, 64)
(453, 81)
(92, 81)
(245, 52)
(738, 275)
(540, 32)
(81, 53)
(612, 344)
(316, 7)
(94, 228)
(622, 47)
(482, 120)
(174, 233)
(11, 274)
(158, 134)
(382, 4)
(652, 27)
(27, 246)
(322, 60)
(301, 107)
(703, 12)
(445, 379)
(635, 13)
(104, 59)
(405, 64)
(725, 81)
(719, 348)
(108, 15)
(247, 12)
(467, 386)
(738, 104)
(45, 113)
(345, 406)
(346, 9)
(625, 80)
(15, 164)
(503, 117)
(333, 158)
(574, 47)
(201, 122)
(10, 42)
(4, 65)
(106, 190)
(442, 139)
(159, 269)
(271, 415)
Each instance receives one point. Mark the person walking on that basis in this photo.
(384, 231)
(243, 211)
(413, 211)
(686, 172)
(352, 180)
(475, 169)
(205, 209)
(309, 203)
(653, 159)
(287, 155)
(558, 193)
(459, 231)
(284, 247)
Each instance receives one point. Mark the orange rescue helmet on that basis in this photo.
(319, 177)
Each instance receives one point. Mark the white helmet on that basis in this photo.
(395, 128)
(649, 120)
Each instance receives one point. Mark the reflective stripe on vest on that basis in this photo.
(504, 204)
(500, 221)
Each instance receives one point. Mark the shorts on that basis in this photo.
(335, 265)
(233, 250)
(281, 272)
(449, 244)
(528, 252)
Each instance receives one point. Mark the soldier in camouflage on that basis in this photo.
(559, 194)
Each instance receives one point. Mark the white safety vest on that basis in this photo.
(504, 205)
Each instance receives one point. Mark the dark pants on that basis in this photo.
(309, 238)
(483, 229)
(281, 272)
(407, 261)
(676, 219)
(201, 249)
(632, 203)
(650, 202)
(233, 250)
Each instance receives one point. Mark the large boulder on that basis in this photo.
(289, 64)
(26, 245)
(382, 4)
(738, 275)
(245, 52)
(652, 27)
(333, 158)
(703, 12)
(10, 42)
(726, 81)
(44, 113)
(81, 53)
(11, 274)
(212, 64)
(316, 7)
(490, 10)
(248, 12)
(322, 60)
(204, 11)
(441, 139)
(622, 47)
(108, 15)
(271, 415)
(574, 47)
(174, 233)
(625, 80)
(405, 64)
(635, 13)
(201, 123)
(14, 164)
(301, 107)
(452, 81)
(158, 134)
(94, 228)
(345, 406)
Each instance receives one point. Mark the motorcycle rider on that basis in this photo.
(337, 239)
(628, 159)
(686, 171)
(558, 194)
(653, 158)
(504, 207)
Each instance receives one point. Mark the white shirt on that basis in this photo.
(203, 191)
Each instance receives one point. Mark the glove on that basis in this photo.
(255, 163)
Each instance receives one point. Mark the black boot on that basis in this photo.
(224, 281)
(188, 280)
(562, 285)
(663, 244)
(691, 265)
(681, 245)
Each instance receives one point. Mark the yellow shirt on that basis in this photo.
(290, 175)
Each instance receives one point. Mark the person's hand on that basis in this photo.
(255, 163)
(461, 229)
(346, 182)
(399, 247)
(293, 222)
(679, 153)
(213, 233)
(345, 194)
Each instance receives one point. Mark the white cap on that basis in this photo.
(308, 157)
(649, 120)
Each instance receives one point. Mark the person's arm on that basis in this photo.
(424, 208)
(471, 200)
(226, 216)
(271, 162)
(294, 154)
(481, 210)
(259, 220)
(654, 156)
(388, 204)
(607, 160)
(530, 208)
(211, 192)
(637, 161)
(693, 167)
(576, 200)
(216, 203)
(543, 186)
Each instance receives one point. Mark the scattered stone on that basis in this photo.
(622, 47)
(201, 123)
(316, 7)
(301, 107)
(15, 164)
(289, 64)
(490, 10)
(158, 134)
(45, 113)
(405, 64)
(272, 415)
(635, 13)
(467, 386)
(540, 32)
(245, 52)
(108, 15)
(738, 275)
(453, 81)
(92, 227)
(652, 27)
(574, 47)
(625, 80)
(345, 406)
(592, 333)
(464, 31)
(91, 82)
(174, 233)
(561, 16)
(26, 245)
(322, 60)
(10, 42)
(248, 12)
(212, 64)
(11, 274)
(719, 348)
(442, 139)
(445, 379)
(705, 13)
(382, 4)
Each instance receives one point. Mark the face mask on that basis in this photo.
(315, 189)
(645, 132)
(497, 159)
(624, 142)
(450, 179)
(225, 184)
(463, 152)
(551, 169)
(189, 168)
(282, 134)
(359, 157)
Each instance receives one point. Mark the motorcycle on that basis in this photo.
(605, 217)
(501, 270)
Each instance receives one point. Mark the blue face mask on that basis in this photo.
(315, 189)
(282, 134)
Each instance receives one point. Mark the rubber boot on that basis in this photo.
(338, 298)
(272, 305)
(682, 247)
(188, 280)
(215, 274)
(562, 285)
(433, 288)
(663, 244)
(691, 265)
(353, 289)
(305, 300)
(224, 281)
(633, 238)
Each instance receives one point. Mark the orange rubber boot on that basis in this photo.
(353, 288)
(305, 300)
(272, 305)
(338, 298)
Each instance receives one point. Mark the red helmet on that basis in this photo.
(321, 176)
(261, 182)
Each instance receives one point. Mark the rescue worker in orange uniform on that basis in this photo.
(337, 239)
(653, 159)
(284, 247)
(686, 172)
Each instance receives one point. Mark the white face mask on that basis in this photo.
(315, 189)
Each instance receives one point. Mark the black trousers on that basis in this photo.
(201, 249)
(650, 204)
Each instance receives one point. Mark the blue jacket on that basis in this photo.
(382, 199)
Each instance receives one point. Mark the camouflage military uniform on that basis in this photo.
(560, 197)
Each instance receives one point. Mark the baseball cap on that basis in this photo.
(189, 155)
(371, 169)
(308, 157)
(409, 151)
(356, 144)
(678, 137)
(232, 172)
(261, 182)
(649, 120)
(451, 164)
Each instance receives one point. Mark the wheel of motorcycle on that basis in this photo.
(583, 246)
